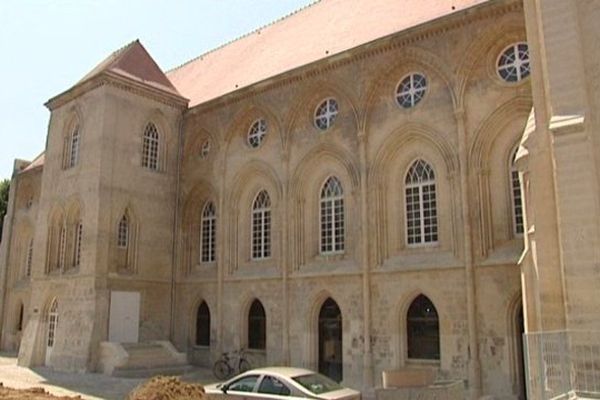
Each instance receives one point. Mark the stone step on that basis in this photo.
(127, 372)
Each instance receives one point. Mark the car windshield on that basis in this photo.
(317, 383)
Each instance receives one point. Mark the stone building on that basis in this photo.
(357, 187)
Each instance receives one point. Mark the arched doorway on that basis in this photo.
(423, 330)
(520, 363)
(52, 324)
(330, 340)
(203, 325)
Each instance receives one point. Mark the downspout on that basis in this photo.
(174, 257)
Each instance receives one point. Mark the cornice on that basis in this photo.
(122, 83)
(364, 51)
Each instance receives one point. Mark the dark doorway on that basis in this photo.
(520, 325)
(422, 324)
(330, 340)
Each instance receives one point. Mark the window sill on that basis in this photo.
(422, 362)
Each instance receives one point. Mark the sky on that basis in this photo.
(46, 46)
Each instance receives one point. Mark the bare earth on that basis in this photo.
(87, 386)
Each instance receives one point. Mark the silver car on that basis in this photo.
(280, 383)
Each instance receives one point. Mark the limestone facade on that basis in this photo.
(122, 216)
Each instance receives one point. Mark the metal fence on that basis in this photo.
(562, 365)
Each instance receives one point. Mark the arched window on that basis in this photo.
(421, 204)
(123, 232)
(515, 191)
(73, 152)
(62, 247)
(77, 242)
(332, 216)
(52, 323)
(203, 325)
(29, 259)
(20, 320)
(208, 233)
(151, 147)
(257, 326)
(423, 330)
(261, 226)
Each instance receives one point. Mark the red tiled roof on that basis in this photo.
(320, 30)
(134, 62)
(37, 162)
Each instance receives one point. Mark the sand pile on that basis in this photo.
(167, 388)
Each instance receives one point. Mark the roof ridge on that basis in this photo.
(290, 14)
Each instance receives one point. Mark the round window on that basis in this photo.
(326, 113)
(411, 90)
(257, 132)
(513, 63)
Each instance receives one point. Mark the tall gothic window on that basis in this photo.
(208, 233)
(515, 191)
(150, 150)
(52, 323)
(123, 232)
(62, 247)
(29, 259)
(203, 325)
(423, 330)
(421, 204)
(73, 148)
(77, 242)
(332, 216)
(261, 226)
(257, 326)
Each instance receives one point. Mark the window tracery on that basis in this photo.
(421, 204)
(332, 216)
(326, 113)
(411, 90)
(513, 63)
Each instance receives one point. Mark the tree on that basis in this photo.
(4, 189)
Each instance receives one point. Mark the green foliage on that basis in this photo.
(4, 189)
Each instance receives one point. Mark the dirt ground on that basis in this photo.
(157, 388)
(29, 394)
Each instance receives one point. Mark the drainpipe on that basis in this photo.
(474, 366)
(174, 257)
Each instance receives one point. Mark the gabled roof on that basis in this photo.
(133, 62)
(37, 162)
(323, 29)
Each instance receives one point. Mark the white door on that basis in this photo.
(124, 320)
(52, 324)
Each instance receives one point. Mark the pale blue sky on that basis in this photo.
(46, 46)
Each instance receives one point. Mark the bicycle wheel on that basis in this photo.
(221, 370)
(244, 365)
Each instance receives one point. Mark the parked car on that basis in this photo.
(281, 383)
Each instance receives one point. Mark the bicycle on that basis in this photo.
(225, 367)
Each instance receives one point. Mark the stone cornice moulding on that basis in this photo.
(363, 51)
(562, 125)
(120, 82)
